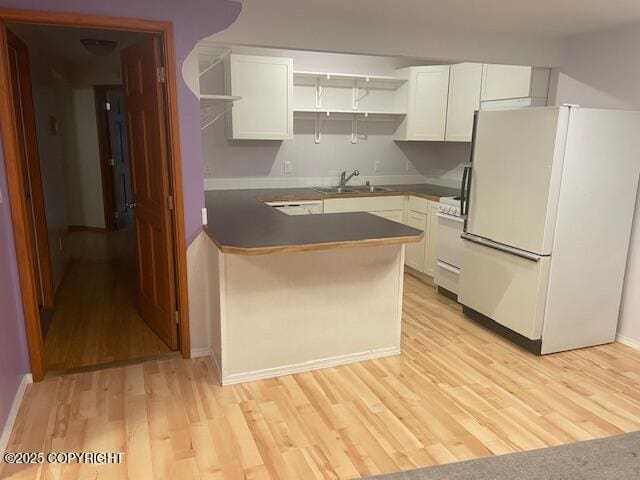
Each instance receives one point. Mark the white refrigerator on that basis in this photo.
(549, 199)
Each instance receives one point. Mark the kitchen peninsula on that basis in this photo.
(294, 293)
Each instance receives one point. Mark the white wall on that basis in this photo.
(397, 162)
(602, 69)
(52, 97)
(308, 26)
(84, 176)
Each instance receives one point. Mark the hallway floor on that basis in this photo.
(95, 320)
(456, 392)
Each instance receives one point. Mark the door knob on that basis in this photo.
(131, 205)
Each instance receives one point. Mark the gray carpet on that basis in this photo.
(612, 458)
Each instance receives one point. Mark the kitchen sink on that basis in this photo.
(368, 189)
(351, 189)
(333, 190)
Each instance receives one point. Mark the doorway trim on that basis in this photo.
(16, 194)
(34, 176)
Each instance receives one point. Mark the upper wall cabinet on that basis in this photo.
(424, 97)
(265, 84)
(464, 99)
(502, 82)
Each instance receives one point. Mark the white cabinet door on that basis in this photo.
(431, 245)
(426, 99)
(506, 81)
(465, 81)
(414, 253)
(363, 204)
(265, 84)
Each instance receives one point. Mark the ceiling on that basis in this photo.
(529, 17)
(65, 41)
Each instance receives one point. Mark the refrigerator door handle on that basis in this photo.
(465, 190)
(503, 248)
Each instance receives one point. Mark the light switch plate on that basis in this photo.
(377, 165)
(204, 216)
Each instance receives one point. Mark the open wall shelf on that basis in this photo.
(213, 99)
(348, 114)
(354, 116)
(347, 80)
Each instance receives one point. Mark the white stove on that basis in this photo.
(449, 250)
(450, 206)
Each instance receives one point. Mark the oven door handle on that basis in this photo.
(446, 266)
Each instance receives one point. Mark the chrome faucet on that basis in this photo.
(344, 179)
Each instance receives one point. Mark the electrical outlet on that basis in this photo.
(377, 165)
(409, 167)
(287, 167)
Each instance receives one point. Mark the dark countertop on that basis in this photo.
(239, 222)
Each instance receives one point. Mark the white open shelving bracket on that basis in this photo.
(354, 129)
(206, 105)
(215, 62)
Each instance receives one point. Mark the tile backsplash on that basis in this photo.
(240, 183)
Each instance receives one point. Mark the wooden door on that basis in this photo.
(117, 121)
(114, 156)
(145, 105)
(37, 234)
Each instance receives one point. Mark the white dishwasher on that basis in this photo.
(449, 249)
(307, 207)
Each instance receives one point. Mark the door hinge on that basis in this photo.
(112, 162)
(107, 106)
(177, 317)
(162, 75)
(170, 202)
(116, 215)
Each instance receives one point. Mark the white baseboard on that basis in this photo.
(214, 361)
(13, 413)
(306, 366)
(200, 352)
(630, 342)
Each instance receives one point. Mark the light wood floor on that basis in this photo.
(95, 320)
(457, 392)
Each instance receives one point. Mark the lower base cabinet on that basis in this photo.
(415, 252)
(422, 214)
(431, 257)
(416, 212)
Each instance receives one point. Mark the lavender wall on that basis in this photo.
(192, 20)
(14, 360)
